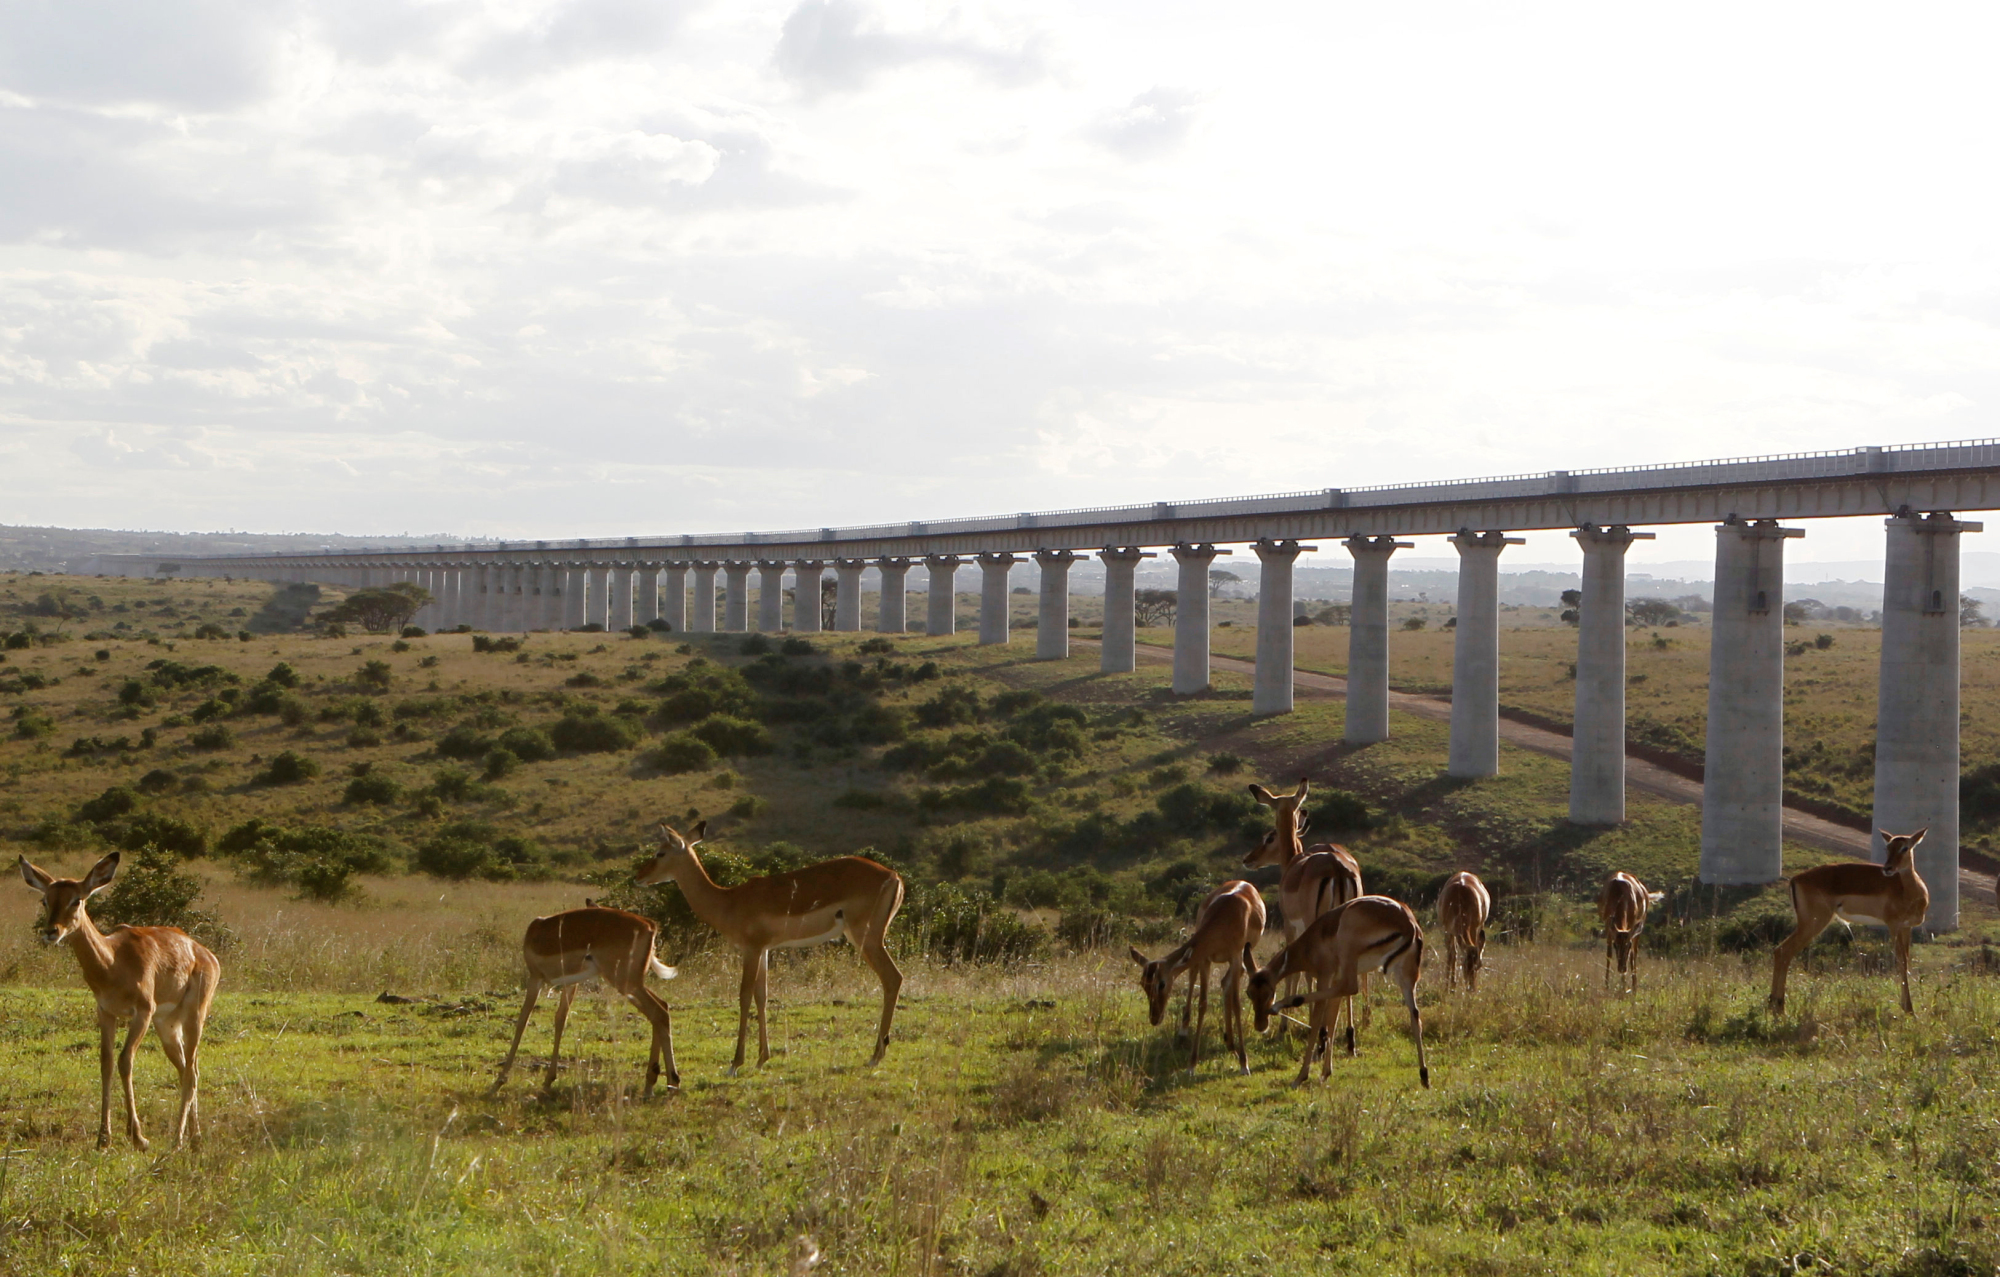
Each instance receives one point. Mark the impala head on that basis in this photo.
(1154, 982)
(1901, 850)
(1288, 825)
(62, 898)
(676, 849)
(1262, 986)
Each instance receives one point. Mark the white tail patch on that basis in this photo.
(660, 970)
(1655, 897)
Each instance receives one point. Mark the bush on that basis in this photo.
(953, 925)
(695, 693)
(363, 738)
(372, 787)
(1225, 764)
(639, 631)
(210, 631)
(283, 675)
(755, 645)
(318, 861)
(151, 891)
(589, 732)
(726, 734)
(876, 647)
(683, 752)
(414, 631)
(484, 643)
(215, 736)
(502, 762)
(375, 675)
(473, 849)
(288, 768)
(797, 647)
(949, 708)
(463, 741)
(150, 829)
(158, 781)
(112, 803)
(28, 725)
(529, 744)
(135, 693)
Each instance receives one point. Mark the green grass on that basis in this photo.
(1030, 1122)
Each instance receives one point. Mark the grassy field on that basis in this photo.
(1027, 1120)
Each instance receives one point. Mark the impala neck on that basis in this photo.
(92, 950)
(700, 889)
(1288, 835)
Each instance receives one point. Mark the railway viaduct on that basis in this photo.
(1917, 488)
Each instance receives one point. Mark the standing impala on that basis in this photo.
(1310, 881)
(1463, 905)
(1621, 907)
(1891, 894)
(1228, 925)
(1371, 931)
(140, 975)
(850, 896)
(565, 949)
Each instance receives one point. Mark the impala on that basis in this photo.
(1462, 908)
(594, 943)
(1333, 952)
(1891, 894)
(1310, 881)
(1228, 924)
(850, 896)
(1622, 906)
(141, 975)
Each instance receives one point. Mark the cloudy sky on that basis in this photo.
(609, 267)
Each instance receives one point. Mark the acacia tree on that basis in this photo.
(1220, 579)
(1154, 607)
(376, 610)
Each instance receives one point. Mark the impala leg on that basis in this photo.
(1901, 939)
(746, 993)
(191, 1028)
(137, 1030)
(1232, 1014)
(1367, 1008)
(1417, 1030)
(555, 1048)
(1187, 1003)
(1201, 1020)
(1808, 929)
(175, 1049)
(654, 1008)
(520, 1027)
(763, 993)
(1607, 955)
(1315, 1038)
(107, 1054)
(875, 952)
(1450, 961)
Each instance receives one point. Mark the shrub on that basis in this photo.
(996, 795)
(529, 744)
(876, 647)
(363, 738)
(755, 645)
(797, 647)
(502, 762)
(414, 631)
(473, 849)
(210, 631)
(484, 643)
(283, 675)
(368, 714)
(318, 861)
(372, 787)
(288, 768)
(1051, 729)
(158, 781)
(588, 732)
(112, 803)
(150, 829)
(1225, 764)
(463, 741)
(214, 736)
(953, 925)
(683, 752)
(583, 678)
(453, 785)
(639, 631)
(861, 800)
(949, 708)
(748, 807)
(135, 693)
(151, 891)
(375, 675)
(726, 734)
(695, 693)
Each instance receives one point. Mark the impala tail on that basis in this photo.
(660, 970)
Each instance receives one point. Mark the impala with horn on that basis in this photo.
(1226, 927)
(140, 976)
(1891, 894)
(1334, 951)
(1310, 880)
(851, 896)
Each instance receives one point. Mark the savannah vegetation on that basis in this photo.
(342, 817)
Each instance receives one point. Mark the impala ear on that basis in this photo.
(1263, 795)
(698, 833)
(1133, 951)
(1305, 823)
(1918, 836)
(34, 877)
(100, 875)
(1305, 787)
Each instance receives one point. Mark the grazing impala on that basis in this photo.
(1891, 894)
(850, 896)
(142, 976)
(1622, 906)
(594, 943)
(1462, 908)
(1370, 931)
(1228, 924)
(1310, 880)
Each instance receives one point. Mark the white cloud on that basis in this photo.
(1151, 125)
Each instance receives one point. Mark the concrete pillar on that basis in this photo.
(1597, 760)
(476, 587)
(770, 596)
(1475, 656)
(993, 601)
(1916, 706)
(518, 616)
(597, 602)
(621, 598)
(806, 618)
(736, 597)
(674, 597)
(451, 606)
(702, 619)
(1118, 653)
(940, 609)
(536, 589)
(550, 607)
(1052, 620)
(847, 594)
(892, 614)
(1191, 617)
(575, 596)
(645, 593)
(1272, 692)
(1368, 639)
(1743, 786)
